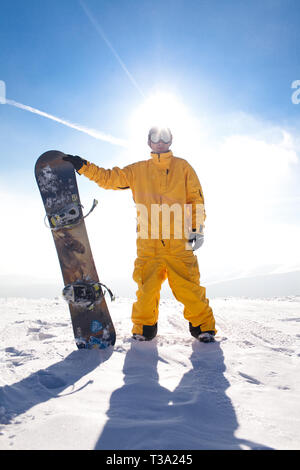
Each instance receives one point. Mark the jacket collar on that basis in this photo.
(162, 160)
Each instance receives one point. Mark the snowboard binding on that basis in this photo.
(68, 216)
(85, 292)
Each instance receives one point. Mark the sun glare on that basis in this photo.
(165, 110)
(159, 109)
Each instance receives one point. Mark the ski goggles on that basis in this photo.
(160, 135)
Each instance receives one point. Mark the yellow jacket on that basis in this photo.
(161, 181)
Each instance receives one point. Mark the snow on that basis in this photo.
(241, 392)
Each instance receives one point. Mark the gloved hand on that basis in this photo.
(195, 240)
(76, 161)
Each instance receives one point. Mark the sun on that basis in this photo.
(161, 109)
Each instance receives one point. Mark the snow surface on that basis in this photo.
(241, 392)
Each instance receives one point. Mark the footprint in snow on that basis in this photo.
(37, 333)
(49, 380)
(250, 379)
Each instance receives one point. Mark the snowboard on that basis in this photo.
(91, 320)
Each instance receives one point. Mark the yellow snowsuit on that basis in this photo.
(163, 180)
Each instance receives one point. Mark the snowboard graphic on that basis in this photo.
(92, 324)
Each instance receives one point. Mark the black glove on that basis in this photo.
(195, 240)
(76, 161)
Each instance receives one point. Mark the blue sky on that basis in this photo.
(230, 64)
(222, 55)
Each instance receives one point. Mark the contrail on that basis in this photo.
(92, 132)
(110, 46)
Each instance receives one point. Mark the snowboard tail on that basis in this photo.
(92, 324)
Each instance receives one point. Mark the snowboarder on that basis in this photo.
(161, 181)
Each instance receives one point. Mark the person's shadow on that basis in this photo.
(198, 414)
(44, 384)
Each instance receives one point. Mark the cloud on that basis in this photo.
(249, 185)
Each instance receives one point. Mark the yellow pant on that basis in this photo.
(155, 263)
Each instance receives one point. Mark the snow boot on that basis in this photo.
(149, 332)
(139, 337)
(206, 337)
(203, 336)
